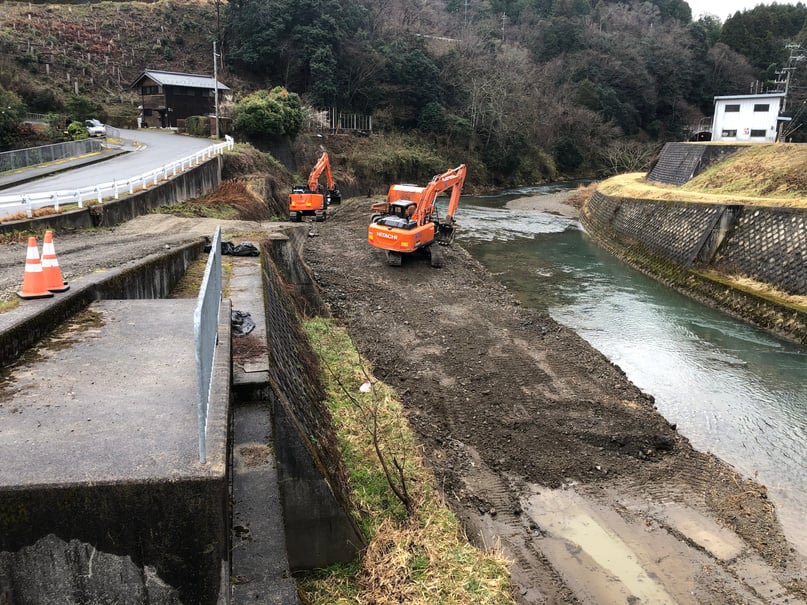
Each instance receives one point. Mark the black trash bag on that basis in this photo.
(241, 322)
(245, 249)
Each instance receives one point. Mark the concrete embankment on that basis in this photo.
(193, 183)
(700, 249)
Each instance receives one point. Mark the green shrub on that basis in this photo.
(198, 126)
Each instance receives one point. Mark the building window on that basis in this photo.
(762, 107)
(728, 133)
(732, 108)
(757, 133)
(151, 90)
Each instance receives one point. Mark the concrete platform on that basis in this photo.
(111, 397)
(102, 495)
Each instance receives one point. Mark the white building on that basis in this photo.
(747, 118)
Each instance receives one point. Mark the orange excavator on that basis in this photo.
(407, 222)
(312, 199)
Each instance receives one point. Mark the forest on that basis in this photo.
(524, 90)
(531, 86)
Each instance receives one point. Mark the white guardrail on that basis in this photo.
(28, 202)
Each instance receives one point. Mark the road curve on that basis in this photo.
(153, 148)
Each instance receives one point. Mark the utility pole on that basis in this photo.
(216, 86)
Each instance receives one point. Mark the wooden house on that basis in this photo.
(169, 96)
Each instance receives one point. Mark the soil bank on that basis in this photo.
(542, 445)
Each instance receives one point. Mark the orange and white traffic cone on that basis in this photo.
(33, 283)
(50, 266)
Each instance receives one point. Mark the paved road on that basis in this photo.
(156, 148)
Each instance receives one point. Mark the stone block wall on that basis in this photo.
(679, 163)
(313, 482)
(668, 240)
(768, 245)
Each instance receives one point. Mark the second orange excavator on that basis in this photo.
(408, 222)
(312, 200)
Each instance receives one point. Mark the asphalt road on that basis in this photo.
(153, 148)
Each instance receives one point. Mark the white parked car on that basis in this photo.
(95, 128)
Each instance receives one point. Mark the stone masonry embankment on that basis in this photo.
(696, 248)
(314, 487)
(680, 162)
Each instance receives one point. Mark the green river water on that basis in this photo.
(732, 390)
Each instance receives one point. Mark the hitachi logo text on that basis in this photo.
(387, 235)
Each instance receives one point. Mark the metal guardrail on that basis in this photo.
(205, 331)
(28, 202)
(31, 156)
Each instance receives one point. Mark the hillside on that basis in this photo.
(49, 52)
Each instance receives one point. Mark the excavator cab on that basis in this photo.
(399, 215)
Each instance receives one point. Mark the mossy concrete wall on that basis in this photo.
(314, 488)
(689, 246)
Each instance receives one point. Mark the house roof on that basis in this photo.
(170, 78)
(767, 95)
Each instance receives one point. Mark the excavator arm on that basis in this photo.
(323, 165)
(452, 179)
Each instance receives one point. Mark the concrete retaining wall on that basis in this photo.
(680, 243)
(313, 482)
(151, 277)
(195, 182)
(22, 158)
(680, 162)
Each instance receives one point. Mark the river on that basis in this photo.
(731, 389)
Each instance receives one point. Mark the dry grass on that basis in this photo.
(778, 171)
(578, 198)
(761, 289)
(419, 559)
(758, 175)
(231, 200)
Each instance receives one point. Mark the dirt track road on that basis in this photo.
(540, 443)
(543, 446)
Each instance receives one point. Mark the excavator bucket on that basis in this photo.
(445, 233)
(334, 196)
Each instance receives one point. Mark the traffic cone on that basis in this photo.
(33, 283)
(50, 266)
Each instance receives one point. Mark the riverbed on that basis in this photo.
(731, 389)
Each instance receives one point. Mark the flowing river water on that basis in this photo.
(731, 389)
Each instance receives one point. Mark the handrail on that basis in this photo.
(205, 330)
(28, 202)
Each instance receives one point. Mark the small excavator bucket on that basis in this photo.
(334, 196)
(445, 234)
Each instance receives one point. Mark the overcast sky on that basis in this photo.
(726, 8)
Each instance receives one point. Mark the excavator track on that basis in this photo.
(437, 258)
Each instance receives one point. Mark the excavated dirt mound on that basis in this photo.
(504, 399)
